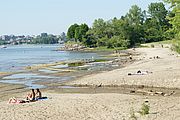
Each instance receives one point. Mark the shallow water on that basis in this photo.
(26, 76)
(30, 83)
(30, 79)
(16, 57)
(27, 79)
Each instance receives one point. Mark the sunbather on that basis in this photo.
(38, 94)
(15, 100)
(139, 72)
(31, 96)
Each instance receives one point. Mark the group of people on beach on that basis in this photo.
(31, 97)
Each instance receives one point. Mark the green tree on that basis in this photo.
(71, 31)
(98, 28)
(156, 25)
(49, 39)
(135, 19)
(175, 18)
(117, 41)
(80, 32)
(158, 12)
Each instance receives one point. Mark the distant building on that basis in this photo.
(5, 38)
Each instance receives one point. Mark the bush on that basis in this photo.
(117, 41)
(176, 47)
(132, 114)
(75, 64)
(152, 45)
(144, 109)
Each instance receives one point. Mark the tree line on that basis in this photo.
(136, 27)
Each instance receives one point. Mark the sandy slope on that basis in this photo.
(166, 73)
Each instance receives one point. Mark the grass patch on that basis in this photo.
(75, 64)
(144, 109)
(132, 114)
(176, 47)
(99, 60)
(105, 49)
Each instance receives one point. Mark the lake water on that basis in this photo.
(16, 57)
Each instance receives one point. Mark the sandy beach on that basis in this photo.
(163, 72)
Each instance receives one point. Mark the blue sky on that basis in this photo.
(30, 17)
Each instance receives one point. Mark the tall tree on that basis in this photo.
(175, 18)
(135, 19)
(158, 11)
(156, 24)
(71, 31)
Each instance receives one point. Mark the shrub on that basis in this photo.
(75, 64)
(176, 47)
(144, 109)
(132, 114)
(152, 45)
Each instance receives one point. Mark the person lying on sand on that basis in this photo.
(15, 100)
(139, 72)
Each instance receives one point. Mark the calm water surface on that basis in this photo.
(16, 57)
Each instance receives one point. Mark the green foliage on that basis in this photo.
(176, 47)
(158, 12)
(71, 31)
(132, 114)
(2, 42)
(175, 17)
(75, 64)
(144, 109)
(49, 39)
(99, 60)
(117, 41)
(77, 32)
(135, 16)
(157, 25)
(152, 46)
(134, 28)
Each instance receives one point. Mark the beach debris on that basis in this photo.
(100, 85)
(132, 91)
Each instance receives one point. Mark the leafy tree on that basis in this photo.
(98, 28)
(135, 16)
(135, 19)
(175, 17)
(159, 12)
(49, 39)
(156, 25)
(80, 32)
(117, 41)
(71, 31)
(77, 32)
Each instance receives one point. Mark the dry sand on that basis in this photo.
(92, 107)
(165, 71)
(110, 106)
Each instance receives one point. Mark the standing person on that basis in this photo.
(38, 94)
(31, 96)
